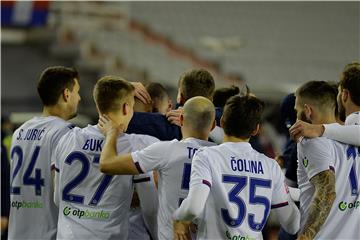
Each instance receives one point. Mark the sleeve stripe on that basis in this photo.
(147, 179)
(137, 165)
(279, 205)
(206, 183)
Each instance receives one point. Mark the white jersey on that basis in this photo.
(244, 186)
(172, 160)
(32, 184)
(93, 205)
(353, 119)
(320, 154)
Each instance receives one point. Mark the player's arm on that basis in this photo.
(55, 176)
(110, 162)
(146, 189)
(321, 204)
(348, 134)
(289, 217)
(282, 204)
(193, 206)
(55, 164)
(190, 208)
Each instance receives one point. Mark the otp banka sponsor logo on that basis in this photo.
(237, 237)
(344, 205)
(86, 214)
(25, 204)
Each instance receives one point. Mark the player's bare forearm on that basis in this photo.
(321, 204)
(108, 154)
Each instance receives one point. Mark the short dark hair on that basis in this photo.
(198, 82)
(319, 92)
(221, 95)
(53, 81)
(156, 90)
(110, 91)
(242, 115)
(350, 80)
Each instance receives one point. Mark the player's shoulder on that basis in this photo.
(76, 138)
(140, 138)
(321, 143)
(194, 142)
(353, 119)
(52, 121)
(213, 148)
(53, 124)
(265, 160)
(318, 150)
(66, 137)
(205, 152)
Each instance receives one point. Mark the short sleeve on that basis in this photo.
(151, 157)
(200, 169)
(353, 119)
(315, 155)
(148, 140)
(145, 177)
(55, 139)
(55, 157)
(280, 194)
(142, 141)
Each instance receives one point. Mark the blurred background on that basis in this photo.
(273, 47)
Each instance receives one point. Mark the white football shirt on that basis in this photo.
(320, 154)
(93, 205)
(32, 184)
(353, 119)
(172, 160)
(244, 186)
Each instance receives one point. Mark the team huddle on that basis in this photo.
(79, 183)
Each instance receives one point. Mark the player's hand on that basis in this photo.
(303, 237)
(4, 223)
(173, 116)
(141, 93)
(193, 227)
(304, 129)
(108, 127)
(280, 160)
(182, 230)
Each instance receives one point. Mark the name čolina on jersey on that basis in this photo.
(243, 165)
(31, 134)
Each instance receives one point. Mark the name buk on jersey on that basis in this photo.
(243, 165)
(93, 145)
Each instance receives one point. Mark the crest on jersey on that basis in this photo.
(305, 162)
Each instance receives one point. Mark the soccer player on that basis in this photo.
(232, 186)
(348, 101)
(328, 171)
(93, 205)
(33, 214)
(171, 159)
